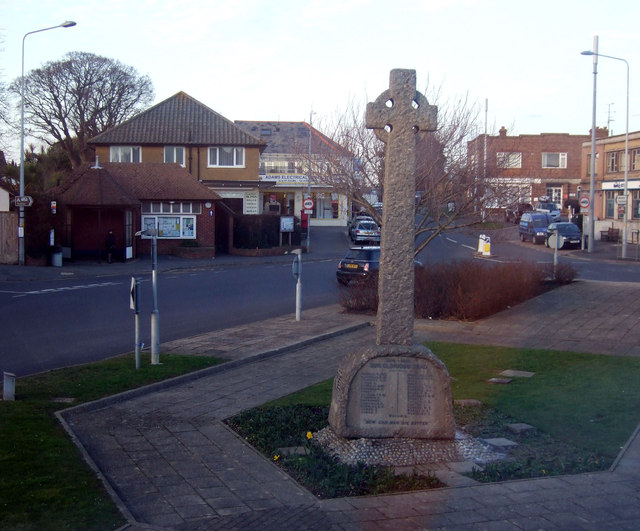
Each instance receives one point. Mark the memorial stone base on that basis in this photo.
(392, 391)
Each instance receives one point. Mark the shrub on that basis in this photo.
(464, 290)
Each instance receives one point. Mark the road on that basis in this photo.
(51, 324)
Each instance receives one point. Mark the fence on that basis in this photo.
(8, 237)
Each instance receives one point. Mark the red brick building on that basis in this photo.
(525, 167)
(127, 198)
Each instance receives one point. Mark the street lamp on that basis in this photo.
(66, 24)
(625, 218)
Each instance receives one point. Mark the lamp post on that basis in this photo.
(309, 182)
(625, 218)
(592, 169)
(66, 24)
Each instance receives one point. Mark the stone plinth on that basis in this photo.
(392, 391)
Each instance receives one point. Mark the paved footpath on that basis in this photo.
(170, 463)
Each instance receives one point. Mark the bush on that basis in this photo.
(465, 290)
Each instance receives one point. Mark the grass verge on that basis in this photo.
(583, 408)
(44, 482)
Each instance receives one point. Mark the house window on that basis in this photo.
(125, 154)
(174, 155)
(171, 227)
(555, 193)
(635, 160)
(635, 204)
(226, 157)
(554, 160)
(610, 204)
(509, 160)
(613, 161)
(172, 207)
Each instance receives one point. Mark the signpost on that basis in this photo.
(308, 205)
(135, 306)
(23, 200)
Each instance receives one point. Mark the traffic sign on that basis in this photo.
(308, 203)
(584, 202)
(23, 201)
(621, 200)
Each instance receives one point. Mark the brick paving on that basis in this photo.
(170, 462)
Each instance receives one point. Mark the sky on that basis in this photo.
(519, 63)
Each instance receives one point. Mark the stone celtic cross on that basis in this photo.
(398, 116)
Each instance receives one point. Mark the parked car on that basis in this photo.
(533, 226)
(365, 231)
(359, 263)
(546, 205)
(514, 212)
(359, 216)
(569, 231)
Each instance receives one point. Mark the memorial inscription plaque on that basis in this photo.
(392, 391)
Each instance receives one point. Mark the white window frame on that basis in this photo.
(173, 207)
(505, 159)
(213, 157)
(176, 227)
(117, 153)
(562, 160)
(613, 162)
(555, 193)
(173, 151)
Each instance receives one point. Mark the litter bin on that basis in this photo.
(56, 256)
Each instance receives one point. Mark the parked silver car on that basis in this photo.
(365, 231)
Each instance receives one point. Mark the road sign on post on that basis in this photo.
(584, 202)
(308, 203)
(23, 200)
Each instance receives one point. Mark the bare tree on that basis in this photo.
(451, 189)
(72, 100)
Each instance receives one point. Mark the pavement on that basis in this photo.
(169, 461)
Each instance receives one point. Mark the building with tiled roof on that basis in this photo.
(127, 198)
(183, 130)
(284, 170)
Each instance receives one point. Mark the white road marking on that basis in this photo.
(64, 288)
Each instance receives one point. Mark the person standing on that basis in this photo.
(110, 244)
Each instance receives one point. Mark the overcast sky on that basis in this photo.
(280, 59)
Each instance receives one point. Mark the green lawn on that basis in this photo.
(586, 399)
(584, 407)
(578, 403)
(44, 482)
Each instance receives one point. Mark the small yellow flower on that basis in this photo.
(276, 457)
(309, 435)
(544, 472)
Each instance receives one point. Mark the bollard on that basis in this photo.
(486, 251)
(481, 243)
(9, 387)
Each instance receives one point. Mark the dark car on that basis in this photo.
(514, 212)
(358, 263)
(571, 235)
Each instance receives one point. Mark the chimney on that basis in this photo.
(503, 131)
